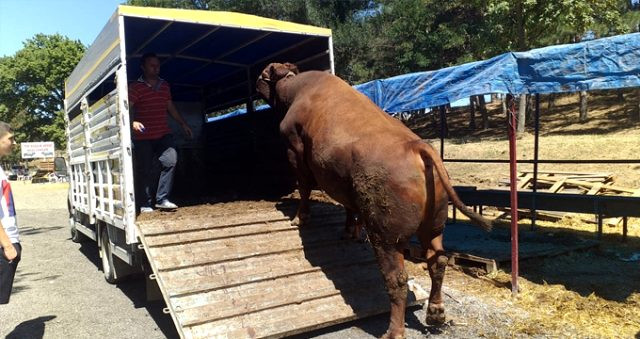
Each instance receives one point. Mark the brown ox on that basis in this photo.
(373, 165)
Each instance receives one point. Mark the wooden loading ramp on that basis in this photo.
(251, 274)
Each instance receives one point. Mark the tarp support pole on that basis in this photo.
(443, 115)
(536, 140)
(514, 194)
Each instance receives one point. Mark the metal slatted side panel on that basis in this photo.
(253, 274)
(79, 188)
(104, 157)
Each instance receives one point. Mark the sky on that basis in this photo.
(76, 19)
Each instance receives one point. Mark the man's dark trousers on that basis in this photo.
(7, 273)
(152, 155)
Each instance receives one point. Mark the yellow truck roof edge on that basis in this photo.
(219, 18)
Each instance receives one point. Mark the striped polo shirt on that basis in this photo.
(150, 104)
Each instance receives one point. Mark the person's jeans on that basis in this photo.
(151, 156)
(7, 273)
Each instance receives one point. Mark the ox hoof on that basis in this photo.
(300, 221)
(435, 315)
(388, 335)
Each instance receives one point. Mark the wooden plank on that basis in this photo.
(238, 300)
(595, 189)
(213, 276)
(185, 255)
(288, 320)
(556, 187)
(524, 181)
(160, 226)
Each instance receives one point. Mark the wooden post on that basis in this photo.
(443, 129)
(583, 106)
(513, 175)
(483, 110)
(624, 229)
(522, 108)
(600, 217)
(637, 115)
(472, 118)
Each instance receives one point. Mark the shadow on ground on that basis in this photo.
(135, 289)
(32, 329)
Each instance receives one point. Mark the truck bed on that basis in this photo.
(241, 269)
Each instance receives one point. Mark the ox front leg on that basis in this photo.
(303, 215)
(305, 183)
(437, 263)
(391, 261)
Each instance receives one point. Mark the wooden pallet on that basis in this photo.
(571, 182)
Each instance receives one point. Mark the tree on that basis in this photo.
(32, 87)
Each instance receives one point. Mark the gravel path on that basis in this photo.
(60, 291)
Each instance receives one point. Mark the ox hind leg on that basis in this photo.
(354, 226)
(391, 262)
(431, 240)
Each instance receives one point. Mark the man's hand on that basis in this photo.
(138, 127)
(187, 131)
(10, 252)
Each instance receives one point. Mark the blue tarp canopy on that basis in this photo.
(606, 63)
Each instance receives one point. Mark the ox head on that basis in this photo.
(269, 78)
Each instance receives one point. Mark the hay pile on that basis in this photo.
(553, 310)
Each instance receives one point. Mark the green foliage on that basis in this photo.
(382, 38)
(32, 87)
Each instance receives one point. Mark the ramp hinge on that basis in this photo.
(152, 276)
(166, 310)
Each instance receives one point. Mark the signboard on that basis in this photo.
(31, 150)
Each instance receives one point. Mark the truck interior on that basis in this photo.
(212, 62)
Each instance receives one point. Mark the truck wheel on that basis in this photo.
(76, 236)
(108, 267)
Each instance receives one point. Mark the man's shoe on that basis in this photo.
(165, 204)
(146, 209)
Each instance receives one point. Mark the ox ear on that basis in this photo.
(292, 68)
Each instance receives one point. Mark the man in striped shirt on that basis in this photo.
(149, 102)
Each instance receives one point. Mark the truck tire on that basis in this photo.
(76, 236)
(107, 258)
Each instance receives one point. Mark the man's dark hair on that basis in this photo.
(4, 129)
(147, 56)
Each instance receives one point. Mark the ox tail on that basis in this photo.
(428, 153)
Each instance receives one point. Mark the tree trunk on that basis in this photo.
(551, 101)
(444, 129)
(519, 18)
(583, 106)
(620, 95)
(504, 106)
(522, 108)
(483, 110)
(472, 117)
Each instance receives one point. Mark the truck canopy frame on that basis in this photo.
(202, 52)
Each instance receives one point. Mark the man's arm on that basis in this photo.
(9, 250)
(174, 113)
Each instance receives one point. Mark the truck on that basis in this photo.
(214, 277)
